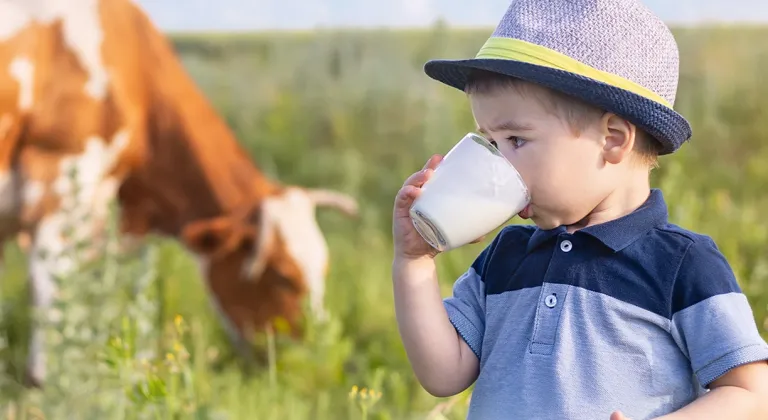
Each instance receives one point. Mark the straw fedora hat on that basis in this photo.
(615, 54)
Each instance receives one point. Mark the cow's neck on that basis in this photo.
(194, 168)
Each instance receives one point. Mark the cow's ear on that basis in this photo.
(247, 240)
(208, 236)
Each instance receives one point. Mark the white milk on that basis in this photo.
(473, 191)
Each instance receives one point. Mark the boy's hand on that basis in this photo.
(618, 416)
(408, 243)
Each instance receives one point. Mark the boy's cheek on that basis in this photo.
(531, 175)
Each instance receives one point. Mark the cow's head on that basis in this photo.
(260, 263)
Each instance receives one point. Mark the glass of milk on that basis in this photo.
(474, 190)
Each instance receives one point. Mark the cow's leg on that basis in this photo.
(45, 261)
(84, 188)
(15, 194)
(53, 260)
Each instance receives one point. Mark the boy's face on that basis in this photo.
(565, 172)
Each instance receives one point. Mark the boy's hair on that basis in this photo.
(576, 112)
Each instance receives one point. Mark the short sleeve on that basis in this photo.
(712, 320)
(466, 306)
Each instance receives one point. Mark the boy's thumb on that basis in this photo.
(480, 239)
(618, 416)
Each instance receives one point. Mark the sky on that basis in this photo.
(227, 15)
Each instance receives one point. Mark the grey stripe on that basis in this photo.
(466, 309)
(603, 355)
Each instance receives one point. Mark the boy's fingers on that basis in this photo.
(406, 195)
(478, 240)
(411, 186)
(419, 178)
(617, 415)
(413, 179)
(432, 162)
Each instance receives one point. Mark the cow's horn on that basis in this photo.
(336, 199)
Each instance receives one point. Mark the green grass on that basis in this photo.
(353, 111)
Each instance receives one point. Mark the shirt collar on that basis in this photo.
(617, 234)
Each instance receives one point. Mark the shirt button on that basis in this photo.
(551, 301)
(566, 246)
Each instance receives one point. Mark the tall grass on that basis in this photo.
(353, 111)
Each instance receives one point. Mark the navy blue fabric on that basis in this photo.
(666, 125)
(640, 259)
(480, 265)
(704, 273)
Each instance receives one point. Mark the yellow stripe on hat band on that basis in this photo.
(515, 49)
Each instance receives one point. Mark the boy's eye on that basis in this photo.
(516, 141)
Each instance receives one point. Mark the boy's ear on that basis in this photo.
(619, 138)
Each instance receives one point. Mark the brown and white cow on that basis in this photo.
(95, 106)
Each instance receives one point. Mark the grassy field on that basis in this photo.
(353, 111)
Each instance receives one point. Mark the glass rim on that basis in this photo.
(488, 145)
(494, 150)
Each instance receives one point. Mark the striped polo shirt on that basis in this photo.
(635, 314)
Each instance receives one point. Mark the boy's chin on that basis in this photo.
(544, 223)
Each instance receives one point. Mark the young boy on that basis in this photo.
(604, 309)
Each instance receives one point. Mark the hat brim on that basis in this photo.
(666, 125)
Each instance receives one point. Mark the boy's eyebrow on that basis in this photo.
(507, 126)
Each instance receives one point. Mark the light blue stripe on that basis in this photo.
(719, 333)
(466, 329)
(466, 309)
(599, 355)
(752, 353)
(590, 354)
